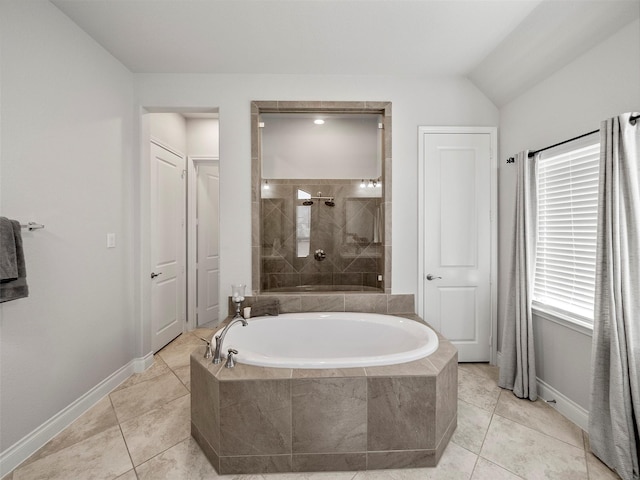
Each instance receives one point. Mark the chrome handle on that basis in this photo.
(230, 361)
(432, 277)
(154, 275)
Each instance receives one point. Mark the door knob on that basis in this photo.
(154, 275)
(432, 277)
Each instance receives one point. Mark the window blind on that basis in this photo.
(567, 181)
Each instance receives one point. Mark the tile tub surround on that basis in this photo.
(366, 302)
(264, 420)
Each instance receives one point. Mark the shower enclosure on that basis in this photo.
(321, 202)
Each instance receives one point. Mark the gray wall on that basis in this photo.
(67, 128)
(600, 84)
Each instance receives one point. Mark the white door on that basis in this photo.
(208, 249)
(457, 239)
(168, 245)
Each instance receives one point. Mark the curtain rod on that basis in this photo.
(632, 121)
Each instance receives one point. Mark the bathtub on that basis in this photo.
(330, 340)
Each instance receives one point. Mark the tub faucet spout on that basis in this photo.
(217, 356)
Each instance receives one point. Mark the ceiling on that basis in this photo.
(501, 45)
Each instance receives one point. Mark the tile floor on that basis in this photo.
(142, 431)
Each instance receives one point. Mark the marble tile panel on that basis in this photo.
(206, 448)
(400, 304)
(255, 464)
(98, 418)
(346, 475)
(401, 413)
(446, 397)
(368, 303)
(531, 454)
(477, 391)
(157, 368)
(101, 456)
(401, 459)
(443, 355)
(182, 461)
(329, 415)
(329, 462)
(485, 470)
(145, 396)
(327, 372)
(473, 423)
(205, 406)
(322, 303)
(288, 303)
(183, 374)
(157, 430)
(539, 416)
(250, 372)
(486, 370)
(255, 418)
(415, 368)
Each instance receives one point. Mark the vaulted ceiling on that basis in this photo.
(503, 46)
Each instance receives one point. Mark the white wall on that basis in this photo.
(416, 101)
(597, 85)
(67, 128)
(203, 137)
(170, 129)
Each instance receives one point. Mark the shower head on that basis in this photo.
(330, 203)
(306, 203)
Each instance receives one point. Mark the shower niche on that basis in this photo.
(320, 197)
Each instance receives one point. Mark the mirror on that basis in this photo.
(319, 197)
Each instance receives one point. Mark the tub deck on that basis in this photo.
(264, 420)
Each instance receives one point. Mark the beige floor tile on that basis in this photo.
(155, 431)
(97, 419)
(485, 470)
(155, 370)
(142, 397)
(184, 461)
(473, 423)
(485, 370)
(102, 456)
(477, 391)
(456, 463)
(177, 354)
(531, 454)
(184, 375)
(539, 416)
(130, 475)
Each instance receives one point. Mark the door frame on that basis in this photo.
(493, 132)
(192, 233)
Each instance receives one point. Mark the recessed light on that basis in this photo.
(318, 121)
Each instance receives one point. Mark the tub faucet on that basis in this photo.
(217, 356)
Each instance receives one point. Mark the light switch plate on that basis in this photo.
(111, 240)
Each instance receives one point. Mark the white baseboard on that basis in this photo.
(28, 445)
(564, 405)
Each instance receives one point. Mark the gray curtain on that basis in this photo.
(614, 416)
(517, 364)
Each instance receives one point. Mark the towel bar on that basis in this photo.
(32, 226)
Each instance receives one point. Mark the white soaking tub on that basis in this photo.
(330, 340)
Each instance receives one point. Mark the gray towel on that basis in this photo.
(265, 307)
(13, 274)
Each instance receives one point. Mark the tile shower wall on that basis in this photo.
(350, 233)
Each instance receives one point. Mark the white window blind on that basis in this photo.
(567, 180)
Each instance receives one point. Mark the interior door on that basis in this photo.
(168, 245)
(208, 255)
(457, 248)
